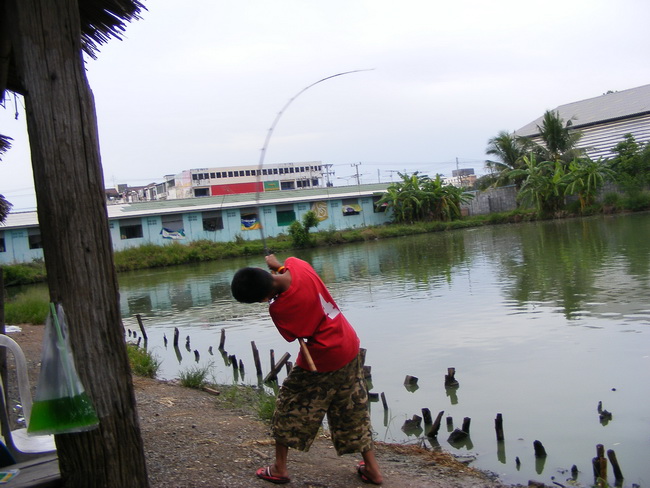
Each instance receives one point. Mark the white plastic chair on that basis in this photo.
(22, 445)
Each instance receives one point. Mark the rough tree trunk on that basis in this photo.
(63, 138)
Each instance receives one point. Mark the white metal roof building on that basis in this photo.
(604, 120)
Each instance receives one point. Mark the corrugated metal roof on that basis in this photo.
(598, 110)
(157, 207)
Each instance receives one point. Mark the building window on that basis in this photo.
(172, 222)
(230, 174)
(201, 192)
(287, 185)
(212, 175)
(285, 215)
(131, 229)
(351, 207)
(275, 171)
(152, 221)
(2, 244)
(378, 208)
(34, 237)
(195, 176)
(212, 221)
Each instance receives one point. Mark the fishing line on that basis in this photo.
(268, 139)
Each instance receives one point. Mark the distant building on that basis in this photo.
(604, 120)
(230, 180)
(221, 218)
(462, 178)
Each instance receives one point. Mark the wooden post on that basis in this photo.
(600, 463)
(222, 342)
(383, 401)
(426, 415)
(450, 423)
(498, 426)
(410, 380)
(241, 366)
(176, 337)
(144, 334)
(436, 425)
(539, 449)
(450, 380)
(465, 427)
(272, 356)
(256, 358)
(197, 356)
(165, 339)
(618, 474)
(273, 374)
(187, 344)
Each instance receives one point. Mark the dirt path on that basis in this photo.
(195, 439)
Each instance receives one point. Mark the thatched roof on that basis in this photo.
(101, 20)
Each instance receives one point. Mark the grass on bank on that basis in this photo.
(143, 363)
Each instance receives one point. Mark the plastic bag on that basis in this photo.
(61, 404)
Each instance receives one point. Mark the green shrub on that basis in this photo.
(265, 406)
(637, 202)
(143, 363)
(24, 274)
(195, 377)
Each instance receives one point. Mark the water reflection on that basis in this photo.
(538, 319)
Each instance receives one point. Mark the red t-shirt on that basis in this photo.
(307, 310)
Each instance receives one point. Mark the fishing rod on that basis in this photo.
(301, 341)
(268, 139)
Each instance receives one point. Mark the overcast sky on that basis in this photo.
(198, 84)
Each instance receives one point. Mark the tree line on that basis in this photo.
(546, 172)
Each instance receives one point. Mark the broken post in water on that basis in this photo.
(256, 358)
(600, 463)
(498, 426)
(222, 342)
(144, 334)
(383, 401)
(273, 374)
(433, 432)
(618, 474)
(539, 449)
(466, 422)
(176, 333)
(450, 379)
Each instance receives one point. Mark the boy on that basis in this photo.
(302, 307)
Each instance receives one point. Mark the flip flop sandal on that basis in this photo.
(361, 472)
(265, 474)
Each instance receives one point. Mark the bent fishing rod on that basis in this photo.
(301, 341)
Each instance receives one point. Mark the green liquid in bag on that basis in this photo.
(60, 415)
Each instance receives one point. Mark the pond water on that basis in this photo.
(541, 321)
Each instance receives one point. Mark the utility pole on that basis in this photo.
(328, 173)
(356, 166)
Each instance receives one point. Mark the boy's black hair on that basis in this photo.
(251, 285)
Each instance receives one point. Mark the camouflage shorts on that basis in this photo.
(305, 398)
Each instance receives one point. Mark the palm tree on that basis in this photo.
(558, 141)
(509, 150)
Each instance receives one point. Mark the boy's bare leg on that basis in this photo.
(371, 467)
(280, 466)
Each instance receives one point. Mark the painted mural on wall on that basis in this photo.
(250, 222)
(320, 209)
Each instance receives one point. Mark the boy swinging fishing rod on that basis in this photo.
(328, 377)
(300, 305)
